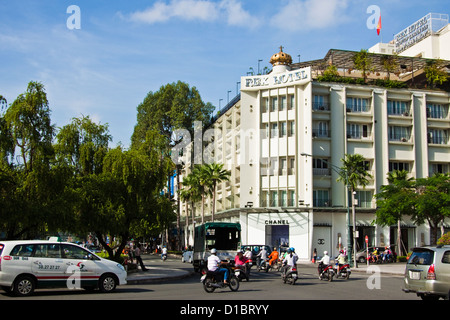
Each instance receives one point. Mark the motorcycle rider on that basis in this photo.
(341, 260)
(273, 257)
(290, 260)
(214, 263)
(324, 262)
(241, 260)
(262, 255)
(164, 252)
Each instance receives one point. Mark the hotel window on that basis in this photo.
(265, 131)
(283, 104)
(291, 169)
(438, 136)
(274, 130)
(264, 105)
(437, 111)
(397, 165)
(364, 199)
(283, 129)
(356, 131)
(274, 104)
(357, 105)
(283, 167)
(291, 102)
(320, 166)
(320, 103)
(321, 129)
(321, 198)
(438, 168)
(397, 133)
(265, 199)
(398, 107)
(273, 199)
(291, 128)
(291, 198)
(283, 198)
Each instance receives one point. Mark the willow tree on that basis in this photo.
(32, 189)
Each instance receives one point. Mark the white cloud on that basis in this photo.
(201, 10)
(237, 16)
(298, 15)
(183, 9)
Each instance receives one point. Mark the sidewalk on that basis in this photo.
(174, 269)
(160, 271)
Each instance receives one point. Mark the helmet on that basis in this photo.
(292, 249)
(325, 252)
(213, 251)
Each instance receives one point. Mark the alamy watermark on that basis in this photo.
(74, 20)
(372, 20)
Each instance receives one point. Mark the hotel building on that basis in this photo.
(283, 138)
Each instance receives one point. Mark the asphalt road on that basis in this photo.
(262, 286)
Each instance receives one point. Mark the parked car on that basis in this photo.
(428, 272)
(187, 256)
(30, 264)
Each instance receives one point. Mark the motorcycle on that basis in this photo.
(213, 280)
(263, 266)
(342, 271)
(242, 272)
(290, 275)
(325, 272)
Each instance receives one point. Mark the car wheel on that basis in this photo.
(24, 286)
(107, 283)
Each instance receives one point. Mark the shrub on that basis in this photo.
(445, 239)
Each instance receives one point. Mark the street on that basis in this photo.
(262, 286)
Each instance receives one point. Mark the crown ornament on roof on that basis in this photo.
(281, 58)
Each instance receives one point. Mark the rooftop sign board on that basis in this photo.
(273, 80)
(419, 30)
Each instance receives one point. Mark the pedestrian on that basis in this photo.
(137, 254)
(314, 255)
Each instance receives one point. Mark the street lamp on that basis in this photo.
(339, 171)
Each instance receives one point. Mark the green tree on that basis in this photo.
(173, 106)
(435, 72)
(215, 174)
(433, 202)
(83, 144)
(362, 61)
(189, 193)
(353, 173)
(33, 189)
(394, 201)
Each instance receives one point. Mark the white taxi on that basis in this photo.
(30, 264)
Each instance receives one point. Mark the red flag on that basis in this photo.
(379, 26)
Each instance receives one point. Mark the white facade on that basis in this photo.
(284, 137)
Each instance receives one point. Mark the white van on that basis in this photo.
(26, 265)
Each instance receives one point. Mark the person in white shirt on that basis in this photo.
(262, 255)
(325, 261)
(290, 260)
(214, 263)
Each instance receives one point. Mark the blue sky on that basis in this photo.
(125, 49)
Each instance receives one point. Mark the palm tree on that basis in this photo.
(203, 184)
(190, 193)
(354, 173)
(395, 200)
(216, 174)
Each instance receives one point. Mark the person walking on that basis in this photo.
(137, 254)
